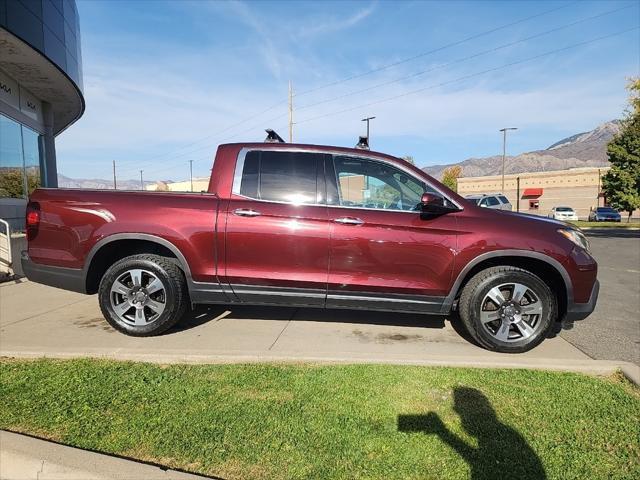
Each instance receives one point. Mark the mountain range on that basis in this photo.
(587, 149)
(98, 183)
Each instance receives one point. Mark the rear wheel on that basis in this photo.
(143, 295)
(507, 309)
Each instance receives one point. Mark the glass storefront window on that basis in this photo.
(19, 159)
(31, 152)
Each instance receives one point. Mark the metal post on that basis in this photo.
(598, 192)
(504, 150)
(290, 113)
(141, 182)
(115, 185)
(191, 173)
(517, 194)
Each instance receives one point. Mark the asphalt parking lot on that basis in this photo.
(36, 320)
(612, 331)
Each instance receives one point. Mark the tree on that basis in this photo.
(621, 184)
(409, 158)
(450, 177)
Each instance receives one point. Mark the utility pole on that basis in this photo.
(290, 113)
(598, 192)
(141, 182)
(191, 173)
(504, 150)
(368, 119)
(115, 186)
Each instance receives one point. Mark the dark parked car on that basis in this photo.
(604, 214)
(313, 226)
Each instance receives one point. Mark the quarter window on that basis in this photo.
(289, 177)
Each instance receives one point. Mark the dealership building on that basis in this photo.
(40, 94)
(538, 192)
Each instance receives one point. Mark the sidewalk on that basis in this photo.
(36, 320)
(28, 458)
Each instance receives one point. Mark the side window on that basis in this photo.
(484, 202)
(368, 183)
(503, 199)
(280, 176)
(493, 201)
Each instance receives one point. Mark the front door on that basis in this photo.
(277, 235)
(383, 253)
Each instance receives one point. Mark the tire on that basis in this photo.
(143, 295)
(528, 319)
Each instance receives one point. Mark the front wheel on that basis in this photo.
(143, 295)
(507, 309)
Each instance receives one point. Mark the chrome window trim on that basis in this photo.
(237, 176)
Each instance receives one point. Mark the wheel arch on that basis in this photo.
(115, 247)
(547, 268)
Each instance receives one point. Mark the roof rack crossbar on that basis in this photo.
(273, 137)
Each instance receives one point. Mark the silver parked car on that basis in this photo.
(496, 201)
(563, 213)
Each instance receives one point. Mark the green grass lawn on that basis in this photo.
(623, 224)
(345, 421)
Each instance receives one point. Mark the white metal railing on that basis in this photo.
(5, 243)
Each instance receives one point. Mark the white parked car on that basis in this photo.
(563, 213)
(496, 201)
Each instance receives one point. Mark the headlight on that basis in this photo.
(576, 236)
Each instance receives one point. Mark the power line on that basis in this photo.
(420, 73)
(369, 72)
(435, 50)
(213, 135)
(465, 77)
(463, 59)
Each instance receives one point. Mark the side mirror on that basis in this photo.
(432, 203)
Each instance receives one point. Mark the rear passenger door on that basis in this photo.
(277, 234)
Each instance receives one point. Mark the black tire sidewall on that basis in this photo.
(542, 291)
(173, 291)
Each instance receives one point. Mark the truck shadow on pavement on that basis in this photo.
(204, 314)
(502, 452)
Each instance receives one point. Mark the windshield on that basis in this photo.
(564, 209)
(605, 210)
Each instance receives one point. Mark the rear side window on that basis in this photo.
(289, 177)
(503, 199)
(492, 201)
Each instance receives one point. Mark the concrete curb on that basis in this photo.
(23, 457)
(589, 367)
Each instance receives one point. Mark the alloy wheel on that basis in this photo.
(138, 297)
(511, 312)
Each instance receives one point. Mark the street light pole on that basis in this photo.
(141, 182)
(191, 173)
(504, 150)
(368, 119)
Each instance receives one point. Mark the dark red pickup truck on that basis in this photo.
(307, 225)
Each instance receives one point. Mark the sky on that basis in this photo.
(166, 82)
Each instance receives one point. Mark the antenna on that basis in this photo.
(273, 137)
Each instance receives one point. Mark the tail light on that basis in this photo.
(32, 219)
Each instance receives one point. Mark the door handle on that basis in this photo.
(349, 221)
(246, 212)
